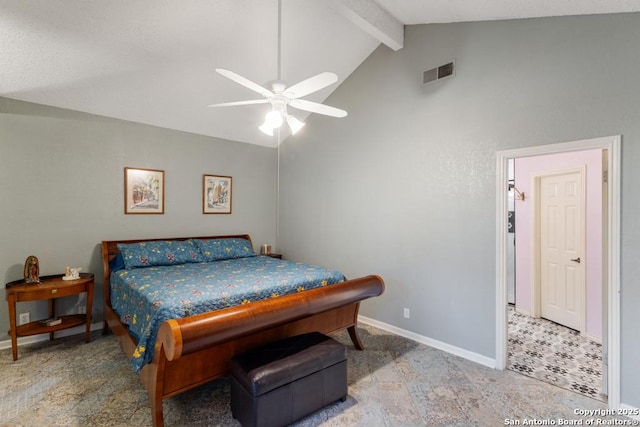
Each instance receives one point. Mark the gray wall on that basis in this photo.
(405, 185)
(62, 190)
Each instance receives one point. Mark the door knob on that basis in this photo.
(576, 260)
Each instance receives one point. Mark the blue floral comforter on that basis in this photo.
(146, 297)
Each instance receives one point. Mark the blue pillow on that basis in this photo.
(219, 249)
(116, 263)
(160, 252)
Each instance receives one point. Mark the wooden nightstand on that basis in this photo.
(279, 256)
(49, 288)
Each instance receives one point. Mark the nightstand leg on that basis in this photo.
(13, 327)
(89, 307)
(52, 312)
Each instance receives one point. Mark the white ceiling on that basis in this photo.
(154, 61)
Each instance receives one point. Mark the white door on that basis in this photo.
(562, 237)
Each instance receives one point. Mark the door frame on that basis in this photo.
(611, 253)
(536, 279)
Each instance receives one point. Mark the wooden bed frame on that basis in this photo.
(195, 350)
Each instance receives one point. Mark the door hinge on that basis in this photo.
(605, 176)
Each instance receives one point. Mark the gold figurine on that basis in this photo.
(32, 270)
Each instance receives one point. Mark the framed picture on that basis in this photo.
(216, 194)
(143, 191)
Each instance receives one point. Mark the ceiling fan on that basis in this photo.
(280, 96)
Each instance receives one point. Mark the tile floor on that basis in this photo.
(555, 354)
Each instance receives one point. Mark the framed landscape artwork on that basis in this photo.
(216, 194)
(143, 191)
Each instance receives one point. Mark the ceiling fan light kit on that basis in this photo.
(280, 96)
(276, 117)
(273, 119)
(266, 129)
(294, 124)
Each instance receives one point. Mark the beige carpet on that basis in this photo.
(394, 382)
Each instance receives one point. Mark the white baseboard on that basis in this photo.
(466, 354)
(593, 338)
(521, 310)
(44, 337)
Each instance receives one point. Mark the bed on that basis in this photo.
(193, 342)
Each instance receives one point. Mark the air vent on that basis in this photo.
(437, 73)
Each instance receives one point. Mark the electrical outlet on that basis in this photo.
(82, 309)
(406, 313)
(24, 318)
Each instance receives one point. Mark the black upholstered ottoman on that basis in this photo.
(287, 380)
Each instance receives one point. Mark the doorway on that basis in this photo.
(611, 256)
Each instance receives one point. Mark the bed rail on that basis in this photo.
(184, 336)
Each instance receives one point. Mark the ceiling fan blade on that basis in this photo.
(231, 104)
(314, 107)
(245, 82)
(311, 84)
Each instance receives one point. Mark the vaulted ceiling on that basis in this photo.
(154, 62)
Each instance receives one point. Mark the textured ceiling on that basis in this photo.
(411, 12)
(154, 62)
